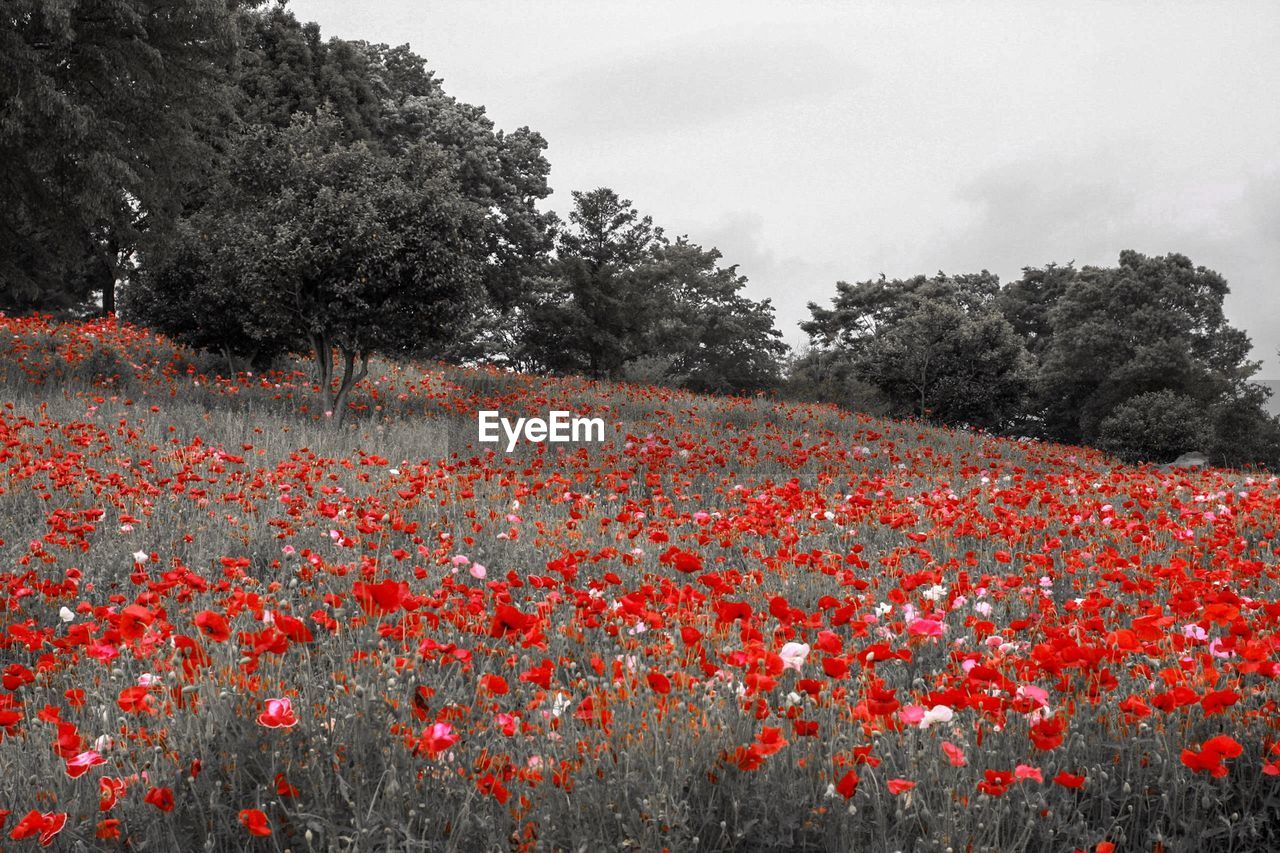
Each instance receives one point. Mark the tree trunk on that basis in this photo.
(104, 271)
(109, 293)
(924, 386)
(349, 379)
(324, 368)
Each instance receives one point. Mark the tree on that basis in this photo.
(1241, 433)
(1026, 303)
(329, 245)
(109, 107)
(623, 301)
(601, 298)
(818, 374)
(285, 68)
(1156, 426)
(936, 347)
(1149, 324)
(387, 97)
(715, 339)
(189, 290)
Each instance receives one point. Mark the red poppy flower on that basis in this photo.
(770, 740)
(16, 675)
(255, 821)
(1069, 780)
(658, 682)
(109, 792)
(283, 788)
(1217, 701)
(136, 700)
(539, 675)
(45, 825)
(848, 784)
(292, 627)
(436, 739)
(898, 786)
(380, 599)
(79, 765)
(955, 754)
(161, 798)
(495, 684)
(509, 620)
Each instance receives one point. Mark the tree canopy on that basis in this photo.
(357, 207)
(1137, 358)
(110, 106)
(599, 301)
(621, 294)
(312, 241)
(1148, 324)
(937, 347)
(260, 189)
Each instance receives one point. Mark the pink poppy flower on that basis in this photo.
(279, 714)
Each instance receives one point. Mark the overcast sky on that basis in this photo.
(812, 142)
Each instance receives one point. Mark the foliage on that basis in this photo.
(1026, 303)
(405, 215)
(1242, 434)
(829, 375)
(621, 294)
(600, 304)
(717, 339)
(110, 107)
(190, 289)
(1149, 324)
(387, 97)
(316, 243)
(1054, 355)
(285, 67)
(1156, 426)
(936, 347)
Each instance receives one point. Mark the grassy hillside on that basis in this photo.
(733, 625)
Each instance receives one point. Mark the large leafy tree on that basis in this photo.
(1026, 302)
(387, 99)
(286, 67)
(506, 169)
(1147, 325)
(312, 242)
(937, 348)
(109, 107)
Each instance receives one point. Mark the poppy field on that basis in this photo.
(735, 624)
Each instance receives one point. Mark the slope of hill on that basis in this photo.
(731, 624)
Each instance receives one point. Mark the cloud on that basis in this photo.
(694, 81)
(790, 282)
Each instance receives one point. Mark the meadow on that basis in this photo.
(735, 624)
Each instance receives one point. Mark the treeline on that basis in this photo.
(253, 189)
(1136, 359)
